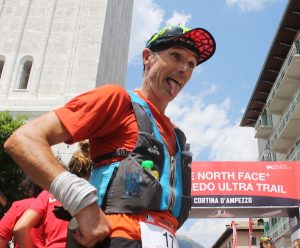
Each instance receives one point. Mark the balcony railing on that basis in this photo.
(264, 120)
(285, 117)
(294, 154)
(295, 49)
(267, 154)
(280, 228)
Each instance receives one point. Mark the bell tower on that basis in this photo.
(52, 50)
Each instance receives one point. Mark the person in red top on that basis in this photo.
(41, 212)
(105, 116)
(9, 220)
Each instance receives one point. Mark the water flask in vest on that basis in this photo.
(149, 166)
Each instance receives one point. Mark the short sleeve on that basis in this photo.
(40, 204)
(96, 113)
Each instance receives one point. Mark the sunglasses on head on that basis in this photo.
(169, 31)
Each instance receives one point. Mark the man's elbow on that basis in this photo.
(12, 142)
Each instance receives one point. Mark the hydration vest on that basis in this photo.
(126, 187)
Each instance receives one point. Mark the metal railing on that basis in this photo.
(295, 49)
(285, 117)
(281, 227)
(294, 154)
(264, 120)
(267, 154)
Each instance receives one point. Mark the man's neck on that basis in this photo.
(153, 99)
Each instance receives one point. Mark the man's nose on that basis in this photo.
(184, 68)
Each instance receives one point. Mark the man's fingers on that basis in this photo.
(85, 241)
(93, 226)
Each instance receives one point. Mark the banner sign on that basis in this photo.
(245, 184)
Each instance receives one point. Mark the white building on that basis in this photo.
(274, 108)
(52, 50)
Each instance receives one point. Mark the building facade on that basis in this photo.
(52, 50)
(274, 108)
(242, 230)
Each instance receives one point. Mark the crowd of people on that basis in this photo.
(40, 221)
(268, 242)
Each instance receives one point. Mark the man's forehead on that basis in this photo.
(193, 54)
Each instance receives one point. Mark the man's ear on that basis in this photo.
(147, 55)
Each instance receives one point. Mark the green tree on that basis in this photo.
(10, 174)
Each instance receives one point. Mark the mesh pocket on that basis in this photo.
(132, 190)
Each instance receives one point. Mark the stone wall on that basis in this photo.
(75, 46)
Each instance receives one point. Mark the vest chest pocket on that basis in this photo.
(132, 189)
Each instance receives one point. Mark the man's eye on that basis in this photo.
(192, 65)
(176, 55)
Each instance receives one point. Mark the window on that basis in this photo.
(253, 241)
(25, 73)
(1, 66)
(260, 222)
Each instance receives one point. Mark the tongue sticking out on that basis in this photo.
(174, 87)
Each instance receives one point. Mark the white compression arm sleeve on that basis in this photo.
(73, 192)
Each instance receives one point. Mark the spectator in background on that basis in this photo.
(80, 163)
(84, 147)
(266, 242)
(40, 213)
(296, 243)
(9, 220)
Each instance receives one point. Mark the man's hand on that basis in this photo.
(93, 226)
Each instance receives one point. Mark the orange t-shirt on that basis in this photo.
(105, 117)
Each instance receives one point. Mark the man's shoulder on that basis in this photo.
(111, 92)
(112, 88)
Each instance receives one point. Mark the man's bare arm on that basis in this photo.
(30, 145)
